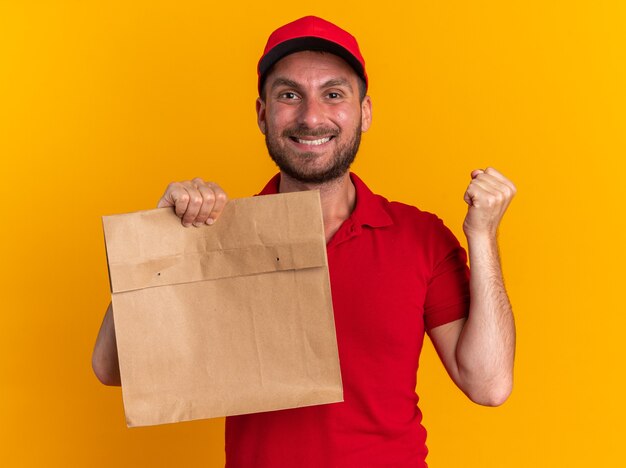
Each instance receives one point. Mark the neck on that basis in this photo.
(338, 198)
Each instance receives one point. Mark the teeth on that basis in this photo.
(313, 142)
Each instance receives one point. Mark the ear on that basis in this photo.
(366, 113)
(260, 114)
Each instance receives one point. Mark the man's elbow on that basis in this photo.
(105, 374)
(492, 395)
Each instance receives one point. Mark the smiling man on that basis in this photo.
(397, 273)
(312, 115)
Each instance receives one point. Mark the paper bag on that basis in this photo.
(225, 319)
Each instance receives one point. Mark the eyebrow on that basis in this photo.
(281, 81)
(337, 82)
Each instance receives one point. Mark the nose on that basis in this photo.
(311, 113)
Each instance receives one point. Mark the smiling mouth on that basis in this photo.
(319, 141)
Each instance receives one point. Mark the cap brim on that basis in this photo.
(306, 43)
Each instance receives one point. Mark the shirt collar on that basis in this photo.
(369, 209)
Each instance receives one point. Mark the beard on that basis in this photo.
(297, 164)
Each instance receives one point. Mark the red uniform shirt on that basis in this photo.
(395, 272)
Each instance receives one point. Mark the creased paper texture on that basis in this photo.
(226, 319)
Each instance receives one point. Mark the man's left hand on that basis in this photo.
(488, 196)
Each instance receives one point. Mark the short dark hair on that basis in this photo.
(362, 88)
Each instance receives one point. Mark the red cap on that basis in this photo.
(311, 33)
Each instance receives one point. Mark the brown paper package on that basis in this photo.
(226, 319)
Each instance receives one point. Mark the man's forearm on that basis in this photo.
(105, 361)
(486, 347)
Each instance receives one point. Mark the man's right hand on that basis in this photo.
(196, 202)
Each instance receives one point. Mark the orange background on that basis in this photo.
(104, 103)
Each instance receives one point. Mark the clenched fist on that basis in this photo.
(488, 196)
(195, 201)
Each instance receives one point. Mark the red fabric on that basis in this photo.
(283, 41)
(395, 272)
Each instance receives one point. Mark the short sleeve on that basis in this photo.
(447, 295)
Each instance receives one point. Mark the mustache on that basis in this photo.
(300, 132)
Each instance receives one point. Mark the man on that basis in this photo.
(396, 272)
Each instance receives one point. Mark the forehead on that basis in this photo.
(311, 67)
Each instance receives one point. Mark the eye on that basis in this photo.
(334, 95)
(288, 95)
